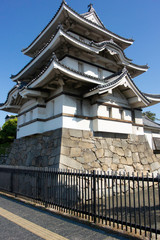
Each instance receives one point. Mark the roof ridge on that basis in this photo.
(64, 3)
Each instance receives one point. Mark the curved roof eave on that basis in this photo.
(153, 98)
(89, 47)
(118, 81)
(54, 64)
(9, 98)
(82, 19)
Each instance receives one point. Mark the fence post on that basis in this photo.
(94, 195)
(11, 182)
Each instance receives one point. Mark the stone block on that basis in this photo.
(106, 160)
(124, 144)
(140, 148)
(135, 157)
(30, 156)
(155, 166)
(70, 162)
(112, 148)
(138, 167)
(141, 138)
(55, 151)
(144, 161)
(86, 145)
(65, 133)
(87, 134)
(75, 152)
(105, 168)
(141, 155)
(133, 138)
(80, 159)
(133, 148)
(114, 167)
(115, 159)
(65, 151)
(127, 153)
(150, 159)
(103, 143)
(99, 153)
(129, 161)
(109, 141)
(147, 167)
(157, 156)
(129, 169)
(69, 143)
(98, 144)
(117, 143)
(51, 161)
(108, 153)
(94, 165)
(75, 133)
(89, 156)
(120, 151)
(123, 160)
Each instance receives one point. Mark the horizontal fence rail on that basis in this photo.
(125, 201)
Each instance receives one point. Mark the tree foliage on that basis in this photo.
(8, 132)
(150, 115)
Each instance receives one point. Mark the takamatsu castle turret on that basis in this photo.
(79, 78)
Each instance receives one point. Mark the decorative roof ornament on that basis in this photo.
(63, 1)
(54, 57)
(124, 69)
(90, 7)
(60, 26)
(111, 40)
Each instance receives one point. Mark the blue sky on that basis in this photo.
(22, 20)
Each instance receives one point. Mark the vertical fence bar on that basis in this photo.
(105, 187)
(94, 196)
(85, 194)
(109, 205)
(76, 185)
(113, 201)
(130, 213)
(121, 200)
(158, 176)
(117, 200)
(88, 197)
(11, 181)
(125, 205)
(92, 186)
(139, 206)
(144, 204)
(101, 198)
(149, 205)
(80, 204)
(154, 206)
(98, 194)
(134, 202)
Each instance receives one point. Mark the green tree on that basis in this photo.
(8, 132)
(150, 115)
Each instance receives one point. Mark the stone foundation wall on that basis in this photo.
(84, 150)
(106, 151)
(37, 150)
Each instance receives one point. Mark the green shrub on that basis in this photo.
(8, 132)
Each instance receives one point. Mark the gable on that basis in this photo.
(93, 18)
(116, 97)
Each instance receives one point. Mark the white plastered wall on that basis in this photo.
(87, 68)
(64, 111)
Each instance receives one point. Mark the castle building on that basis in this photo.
(79, 79)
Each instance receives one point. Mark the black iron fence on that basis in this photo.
(129, 202)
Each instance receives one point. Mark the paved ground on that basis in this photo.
(20, 221)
